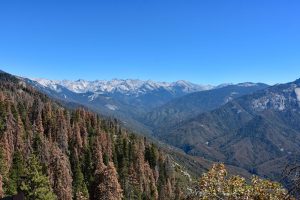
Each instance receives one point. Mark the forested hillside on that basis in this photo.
(54, 153)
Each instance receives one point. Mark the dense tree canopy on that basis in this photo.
(51, 152)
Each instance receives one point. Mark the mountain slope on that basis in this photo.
(190, 105)
(248, 132)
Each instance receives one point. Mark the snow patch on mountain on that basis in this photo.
(93, 96)
(111, 107)
(230, 97)
(247, 84)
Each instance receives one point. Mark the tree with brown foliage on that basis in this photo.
(60, 174)
(1, 187)
(109, 187)
(62, 132)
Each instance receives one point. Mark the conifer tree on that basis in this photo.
(80, 188)
(2, 115)
(178, 192)
(16, 172)
(39, 124)
(1, 187)
(3, 164)
(20, 133)
(77, 136)
(62, 132)
(109, 187)
(36, 185)
(61, 174)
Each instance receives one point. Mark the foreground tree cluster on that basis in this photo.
(50, 152)
(217, 184)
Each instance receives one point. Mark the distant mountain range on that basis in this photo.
(126, 87)
(134, 101)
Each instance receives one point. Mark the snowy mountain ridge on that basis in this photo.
(127, 86)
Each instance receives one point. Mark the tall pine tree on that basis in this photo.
(36, 185)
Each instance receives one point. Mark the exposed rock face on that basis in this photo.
(297, 91)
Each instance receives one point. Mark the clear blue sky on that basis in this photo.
(204, 41)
